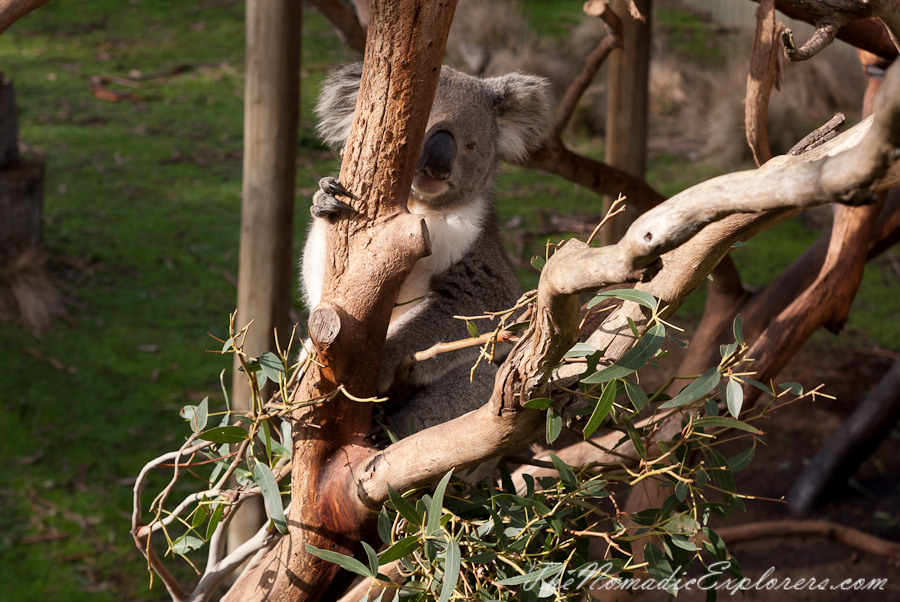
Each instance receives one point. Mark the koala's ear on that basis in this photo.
(523, 112)
(337, 103)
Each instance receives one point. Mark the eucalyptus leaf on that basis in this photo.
(351, 564)
(271, 365)
(554, 425)
(402, 548)
(214, 520)
(268, 486)
(738, 332)
(186, 543)
(734, 397)
(437, 502)
(725, 421)
(602, 409)
(224, 434)
(405, 509)
(637, 396)
(451, 570)
(634, 359)
(704, 384)
(626, 294)
(568, 478)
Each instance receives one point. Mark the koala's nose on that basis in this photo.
(437, 156)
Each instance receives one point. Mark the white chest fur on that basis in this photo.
(452, 234)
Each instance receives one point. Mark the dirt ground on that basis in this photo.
(871, 504)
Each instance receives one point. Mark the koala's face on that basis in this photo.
(474, 123)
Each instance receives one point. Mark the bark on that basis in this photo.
(369, 256)
(763, 75)
(13, 10)
(266, 266)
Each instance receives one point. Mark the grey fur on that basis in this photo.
(489, 120)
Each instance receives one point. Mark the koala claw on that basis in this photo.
(333, 187)
(325, 200)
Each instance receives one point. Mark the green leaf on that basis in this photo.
(199, 517)
(267, 440)
(435, 511)
(372, 557)
(711, 407)
(738, 333)
(252, 366)
(271, 366)
(740, 461)
(224, 434)
(635, 437)
(569, 481)
(738, 244)
(541, 574)
(538, 404)
(658, 567)
(286, 440)
(473, 329)
(405, 509)
(214, 520)
(795, 388)
(602, 409)
(197, 415)
(634, 359)
(681, 541)
(554, 425)
(227, 345)
(538, 263)
(760, 386)
(705, 383)
(734, 397)
(725, 421)
(385, 525)
(626, 294)
(581, 350)
(726, 350)
(451, 570)
(402, 548)
(351, 564)
(263, 476)
(635, 394)
(186, 543)
(681, 490)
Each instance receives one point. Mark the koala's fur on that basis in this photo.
(474, 124)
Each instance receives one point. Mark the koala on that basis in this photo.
(474, 124)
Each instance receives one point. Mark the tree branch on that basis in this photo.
(833, 531)
(832, 15)
(345, 21)
(763, 75)
(13, 10)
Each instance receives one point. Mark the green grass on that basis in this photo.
(146, 195)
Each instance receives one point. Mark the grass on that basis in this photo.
(142, 206)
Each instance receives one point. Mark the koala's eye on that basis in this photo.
(471, 146)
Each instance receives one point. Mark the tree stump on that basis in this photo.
(26, 292)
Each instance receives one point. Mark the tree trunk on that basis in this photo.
(626, 121)
(370, 254)
(266, 272)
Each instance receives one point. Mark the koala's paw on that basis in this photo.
(325, 200)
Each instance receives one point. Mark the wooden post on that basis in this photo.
(626, 117)
(266, 273)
